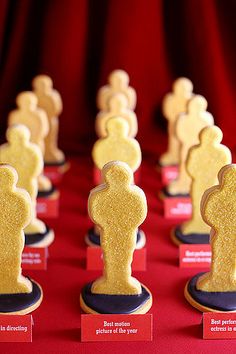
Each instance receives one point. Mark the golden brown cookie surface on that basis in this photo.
(117, 145)
(118, 82)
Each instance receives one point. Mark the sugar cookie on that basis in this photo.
(118, 82)
(117, 146)
(175, 103)
(203, 164)
(27, 159)
(216, 290)
(118, 207)
(50, 100)
(117, 106)
(35, 119)
(18, 294)
(188, 127)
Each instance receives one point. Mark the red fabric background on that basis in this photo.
(79, 42)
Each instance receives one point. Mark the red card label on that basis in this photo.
(194, 256)
(168, 174)
(47, 207)
(95, 259)
(95, 328)
(177, 208)
(34, 258)
(16, 328)
(54, 173)
(218, 325)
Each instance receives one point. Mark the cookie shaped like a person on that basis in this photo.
(35, 119)
(118, 207)
(18, 294)
(117, 106)
(175, 103)
(117, 145)
(188, 128)
(216, 290)
(50, 100)
(27, 160)
(118, 82)
(203, 164)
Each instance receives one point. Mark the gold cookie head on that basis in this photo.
(117, 146)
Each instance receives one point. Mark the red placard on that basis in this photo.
(48, 207)
(168, 174)
(95, 262)
(34, 258)
(54, 173)
(16, 328)
(109, 328)
(177, 208)
(194, 256)
(219, 325)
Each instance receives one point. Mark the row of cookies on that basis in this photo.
(116, 206)
(31, 142)
(206, 173)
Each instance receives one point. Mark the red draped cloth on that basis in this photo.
(79, 42)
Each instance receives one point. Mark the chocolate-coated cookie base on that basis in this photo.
(40, 239)
(21, 303)
(209, 301)
(115, 304)
(92, 239)
(191, 239)
(46, 193)
(165, 194)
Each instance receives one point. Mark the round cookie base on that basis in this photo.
(141, 310)
(27, 309)
(52, 193)
(190, 239)
(63, 166)
(200, 306)
(47, 240)
(140, 244)
(163, 193)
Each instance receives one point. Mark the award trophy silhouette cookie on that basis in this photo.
(216, 290)
(117, 145)
(118, 207)
(35, 119)
(117, 106)
(203, 164)
(27, 160)
(18, 295)
(188, 128)
(50, 100)
(118, 82)
(175, 103)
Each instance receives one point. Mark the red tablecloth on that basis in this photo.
(177, 326)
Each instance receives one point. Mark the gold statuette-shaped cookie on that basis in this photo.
(35, 119)
(216, 290)
(188, 128)
(117, 106)
(118, 82)
(117, 145)
(27, 160)
(118, 207)
(175, 103)
(18, 294)
(203, 164)
(50, 100)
